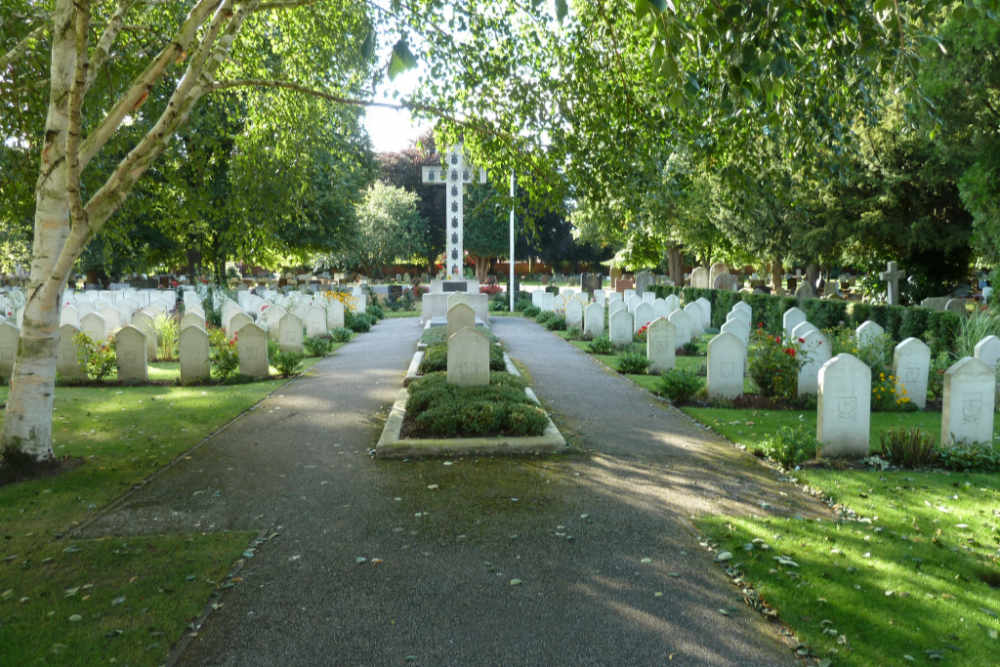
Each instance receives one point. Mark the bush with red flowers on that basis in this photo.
(774, 364)
(490, 289)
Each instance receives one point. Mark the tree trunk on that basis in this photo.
(812, 274)
(675, 266)
(776, 278)
(482, 268)
(27, 427)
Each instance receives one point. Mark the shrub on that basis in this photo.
(688, 349)
(318, 346)
(531, 311)
(574, 333)
(633, 363)
(520, 304)
(167, 336)
(97, 358)
(436, 359)
(526, 419)
(601, 345)
(545, 316)
(908, 447)
(359, 323)
(790, 446)
(935, 376)
(375, 312)
(341, 335)
(774, 364)
(640, 335)
(679, 386)
(223, 355)
(288, 363)
(973, 329)
(983, 457)
(557, 323)
(438, 409)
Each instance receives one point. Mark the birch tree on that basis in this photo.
(197, 57)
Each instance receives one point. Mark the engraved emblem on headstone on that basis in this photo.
(847, 407)
(972, 407)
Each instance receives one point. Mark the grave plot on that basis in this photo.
(463, 395)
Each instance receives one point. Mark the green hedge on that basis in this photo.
(938, 329)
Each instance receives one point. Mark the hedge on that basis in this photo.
(938, 329)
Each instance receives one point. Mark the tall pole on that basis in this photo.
(512, 285)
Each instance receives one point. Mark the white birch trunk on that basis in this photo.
(27, 427)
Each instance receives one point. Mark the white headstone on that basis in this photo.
(738, 328)
(468, 358)
(9, 335)
(911, 363)
(315, 321)
(70, 315)
(706, 311)
(988, 350)
(620, 327)
(144, 323)
(93, 325)
(191, 319)
(817, 350)
(237, 321)
(843, 407)
(251, 343)
(699, 277)
(633, 301)
(696, 314)
(673, 302)
(867, 333)
(661, 343)
(738, 314)
(682, 322)
(615, 306)
(661, 308)
(193, 350)
(644, 314)
(745, 307)
(967, 406)
(716, 270)
(67, 355)
(130, 351)
(801, 329)
(792, 318)
(593, 320)
(112, 318)
(290, 334)
(460, 316)
(335, 314)
(574, 315)
(726, 361)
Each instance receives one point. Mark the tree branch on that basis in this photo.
(18, 49)
(144, 82)
(74, 131)
(102, 49)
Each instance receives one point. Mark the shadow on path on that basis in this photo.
(610, 572)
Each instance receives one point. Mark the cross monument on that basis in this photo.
(454, 173)
(892, 275)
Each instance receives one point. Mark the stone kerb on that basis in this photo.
(792, 318)
(644, 314)
(682, 321)
(867, 333)
(661, 344)
(468, 358)
(9, 335)
(460, 315)
(726, 361)
(130, 351)
(193, 350)
(967, 406)
(593, 320)
(290, 338)
(817, 351)
(67, 355)
(843, 407)
(911, 362)
(251, 343)
(620, 327)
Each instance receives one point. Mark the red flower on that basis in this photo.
(760, 325)
(802, 340)
(790, 352)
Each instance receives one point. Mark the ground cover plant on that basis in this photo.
(438, 409)
(127, 600)
(909, 573)
(436, 358)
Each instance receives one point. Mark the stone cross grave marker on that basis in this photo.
(454, 173)
(891, 276)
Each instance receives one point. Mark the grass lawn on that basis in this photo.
(911, 575)
(124, 600)
(400, 313)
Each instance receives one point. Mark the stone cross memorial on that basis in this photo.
(454, 173)
(891, 276)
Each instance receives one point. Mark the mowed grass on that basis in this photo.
(910, 575)
(913, 578)
(124, 600)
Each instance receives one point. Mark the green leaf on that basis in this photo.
(402, 59)
(561, 9)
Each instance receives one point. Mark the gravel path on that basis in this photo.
(583, 559)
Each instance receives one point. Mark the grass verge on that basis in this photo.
(124, 600)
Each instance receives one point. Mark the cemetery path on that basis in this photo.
(582, 559)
